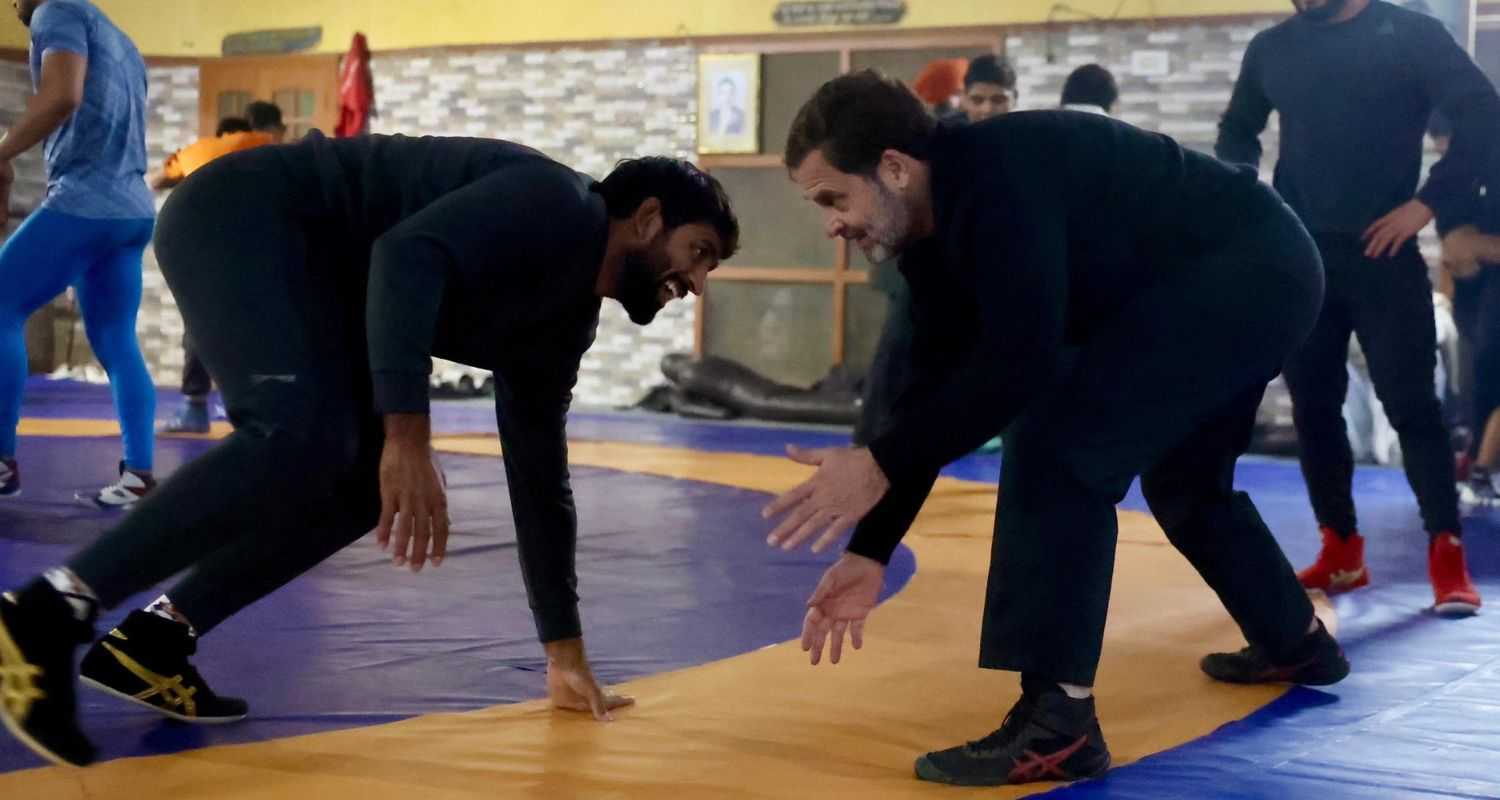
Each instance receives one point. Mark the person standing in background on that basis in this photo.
(1355, 82)
(1091, 88)
(91, 229)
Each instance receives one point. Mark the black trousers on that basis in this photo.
(1167, 390)
(1476, 309)
(243, 248)
(196, 383)
(1387, 303)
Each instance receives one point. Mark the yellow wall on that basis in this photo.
(197, 27)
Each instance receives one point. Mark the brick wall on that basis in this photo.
(1203, 61)
(46, 329)
(171, 124)
(588, 108)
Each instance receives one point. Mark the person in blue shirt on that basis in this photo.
(90, 231)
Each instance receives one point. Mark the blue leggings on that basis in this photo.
(101, 260)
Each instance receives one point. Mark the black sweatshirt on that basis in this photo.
(1048, 224)
(1355, 99)
(485, 253)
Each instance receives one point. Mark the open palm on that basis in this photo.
(844, 598)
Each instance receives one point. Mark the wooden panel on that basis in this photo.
(884, 40)
(773, 274)
(837, 334)
(864, 317)
(750, 160)
(263, 78)
(781, 330)
(778, 227)
(787, 80)
(788, 275)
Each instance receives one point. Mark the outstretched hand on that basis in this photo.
(413, 495)
(844, 598)
(847, 485)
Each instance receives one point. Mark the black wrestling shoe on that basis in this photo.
(1047, 736)
(38, 698)
(145, 661)
(1319, 661)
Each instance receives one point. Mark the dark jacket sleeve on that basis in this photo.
(1018, 275)
(411, 266)
(1249, 108)
(1458, 89)
(531, 404)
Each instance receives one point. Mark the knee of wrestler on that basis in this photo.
(1168, 503)
(324, 450)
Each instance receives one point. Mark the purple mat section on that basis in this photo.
(673, 574)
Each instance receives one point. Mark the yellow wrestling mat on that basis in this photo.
(760, 725)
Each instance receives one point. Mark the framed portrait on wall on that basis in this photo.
(729, 103)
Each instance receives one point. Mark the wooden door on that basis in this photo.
(305, 87)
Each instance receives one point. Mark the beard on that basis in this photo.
(1322, 13)
(639, 289)
(889, 226)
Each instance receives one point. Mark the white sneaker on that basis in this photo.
(1479, 492)
(10, 479)
(123, 493)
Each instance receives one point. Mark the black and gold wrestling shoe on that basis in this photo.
(38, 699)
(145, 661)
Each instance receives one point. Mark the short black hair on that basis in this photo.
(229, 125)
(1091, 84)
(990, 68)
(855, 118)
(687, 194)
(264, 116)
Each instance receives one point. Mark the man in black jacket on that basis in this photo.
(1176, 283)
(1355, 83)
(320, 279)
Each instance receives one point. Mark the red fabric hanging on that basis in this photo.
(356, 90)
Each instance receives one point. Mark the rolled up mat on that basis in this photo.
(726, 383)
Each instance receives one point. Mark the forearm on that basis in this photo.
(1245, 118)
(878, 534)
(43, 115)
(532, 420)
(1458, 89)
(414, 430)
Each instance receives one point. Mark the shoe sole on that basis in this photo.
(1325, 677)
(97, 686)
(90, 501)
(11, 496)
(1339, 588)
(1456, 608)
(926, 771)
(14, 725)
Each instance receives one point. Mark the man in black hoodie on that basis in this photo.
(1177, 283)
